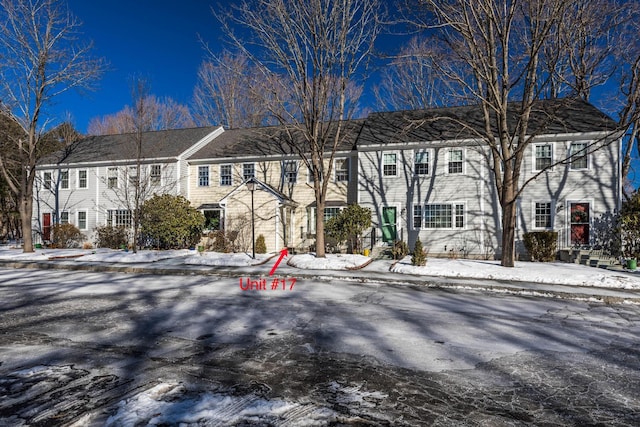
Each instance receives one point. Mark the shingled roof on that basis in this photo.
(557, 116)
(267, 141)
(122, 147)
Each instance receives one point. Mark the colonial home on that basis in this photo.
(426, 175)
(279, 203)
(91, 182)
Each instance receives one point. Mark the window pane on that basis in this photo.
(330, 213)
(156, 174)
(290, 171)
(417, 217)
(82, 220)
(225, 175)
(47, 180)
(543, 156)
(203, 176)
(437, 216)
(64, 179)
(455, 161)
(248, 170)
(389, 164)
(422, 163)
(112, 177)
(579, 155)
(543, 215)
(342, 170)
(82, 179)
(459, 216)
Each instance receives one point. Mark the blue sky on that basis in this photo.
(157, 39)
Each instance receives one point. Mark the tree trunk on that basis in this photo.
(25, 207)
(509, 234)
(320, 229)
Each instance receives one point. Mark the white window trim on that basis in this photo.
(448, 158)
(429, 164)
(44, 180)
(453, 204)
(208, 175)
(68, 217)
(150, 169)
(413, 205)
(285, 179)
(68, 186)
(397, 154)
(552, 208)
(335, 169)
(118, 177)
(78, 179)
(254, 169)
(533, 154)
(86, 219)
(230, 174)
(588, 156)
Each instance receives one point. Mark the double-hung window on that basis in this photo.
(203, 176)
(64, 217)
(417, 217)
(342, 170)
(155, 174)
(543, 156)
(456, 157)
(112, 177)
(289, 171)
(46, 177)
(133, 175)
(248, 171)
(64, 180)
(225, 175)
(578, 153)
(82, 178)
(542, 215)
(82, 220)
(389, 164)
(421, 163)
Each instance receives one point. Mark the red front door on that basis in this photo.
(579, 224)
(46, 226)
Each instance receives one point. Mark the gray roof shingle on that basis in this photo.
(107, 148)
(558, 116)
(266, 141)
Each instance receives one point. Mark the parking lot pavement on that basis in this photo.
(106, 348)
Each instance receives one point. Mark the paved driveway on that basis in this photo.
(121, 349)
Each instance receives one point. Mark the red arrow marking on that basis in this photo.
(283, 253)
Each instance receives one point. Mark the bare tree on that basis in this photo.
(225, 93)
(310, 53)
(160, 114)
(497, 48)
(41, 58)
(411, 79)
(140, 181)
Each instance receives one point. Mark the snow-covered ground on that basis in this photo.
(549, 273)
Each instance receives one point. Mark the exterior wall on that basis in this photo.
(563, 187)
(474, 232)
(96, 199)
(293, 227)
(598, 185)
